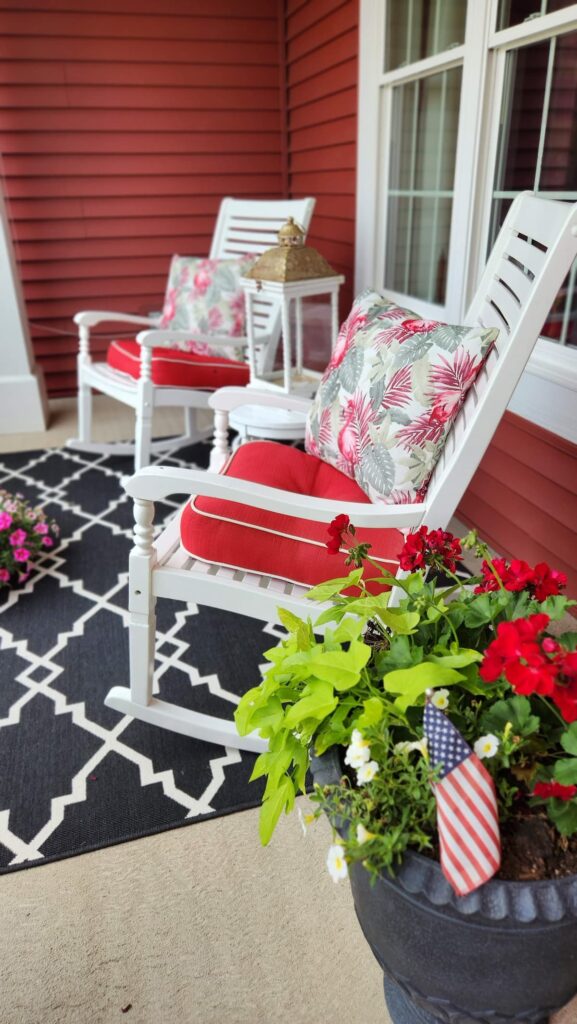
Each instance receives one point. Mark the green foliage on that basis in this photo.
(363, 668)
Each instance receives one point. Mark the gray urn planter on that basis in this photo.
(505, 954)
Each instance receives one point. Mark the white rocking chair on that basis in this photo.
(243, 226)
(530, 259)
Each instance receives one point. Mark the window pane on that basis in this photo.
(538, 147)
(513, 12)
(420, 28)
(521, 121)
(559, 163)
(422, 169)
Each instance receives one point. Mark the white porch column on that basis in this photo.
(22, 394)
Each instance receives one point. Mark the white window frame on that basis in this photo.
(547, 392)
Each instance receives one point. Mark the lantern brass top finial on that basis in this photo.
(291, 233)
(291, 259)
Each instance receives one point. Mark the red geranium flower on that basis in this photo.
(565, 693)
(429, 547)
(518, 575)
(517, 654)
(547, 581)
(554, 789)
(515, 576)
(336, 529)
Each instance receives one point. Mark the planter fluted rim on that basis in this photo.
(539, 902)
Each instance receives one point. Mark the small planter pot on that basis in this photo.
(505, 954)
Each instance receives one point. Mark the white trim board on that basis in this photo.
(22, 404)
(22, 395)
(548, 404)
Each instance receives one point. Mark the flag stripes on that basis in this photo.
(467, 817)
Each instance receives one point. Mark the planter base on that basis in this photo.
(403, 1010)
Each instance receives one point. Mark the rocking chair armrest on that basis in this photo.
(157, 482)
(227, 399)
(91, 317)
(166, 335)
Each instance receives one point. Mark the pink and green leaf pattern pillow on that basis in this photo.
(205, 296)
(390, 393)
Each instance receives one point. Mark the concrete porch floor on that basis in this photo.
(198, 925)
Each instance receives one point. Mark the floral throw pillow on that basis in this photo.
(390, 394)
(205, 296)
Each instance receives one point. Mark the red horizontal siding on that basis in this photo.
(122, 125)
(76, 21)
(322, 57)
(523, 497)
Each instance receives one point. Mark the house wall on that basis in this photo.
(122, 125)
(523, 497)
(321, 101)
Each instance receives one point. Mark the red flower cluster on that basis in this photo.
(532, 663)
(430, 547)
(554, 789)
(336, 529)
(541, 581)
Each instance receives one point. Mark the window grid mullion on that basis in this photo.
(414, 128)
(410, 21)
(438, 181)
(545, 113)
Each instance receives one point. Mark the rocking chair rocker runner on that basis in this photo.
(530, 259)
(243, 226)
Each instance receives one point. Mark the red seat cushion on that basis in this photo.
(284, 546)
(173, 368)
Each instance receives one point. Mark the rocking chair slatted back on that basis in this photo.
(529, 261)
(531, 257)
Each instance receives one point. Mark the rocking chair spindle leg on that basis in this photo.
(220, 450)
(141, 604)
(190, 423)
(144, 411)
(84, 390)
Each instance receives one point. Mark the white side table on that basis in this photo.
(254, 421)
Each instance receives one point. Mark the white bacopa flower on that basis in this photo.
(486, 746)
(305, 820)
(363, 834)
(367, 772)
(440, 699)
(336, 862)
(421, 746)
(357, 756)
(406, 746)
(358, 751)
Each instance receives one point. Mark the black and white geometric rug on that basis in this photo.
(74, 774)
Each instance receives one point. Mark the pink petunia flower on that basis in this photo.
(21, 554)
(41, 528)
(5, 521)
(4, 575)
(47, 542)
(18, 538)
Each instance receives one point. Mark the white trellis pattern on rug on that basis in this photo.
(74, 774)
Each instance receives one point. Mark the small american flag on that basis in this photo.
(467, 817)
